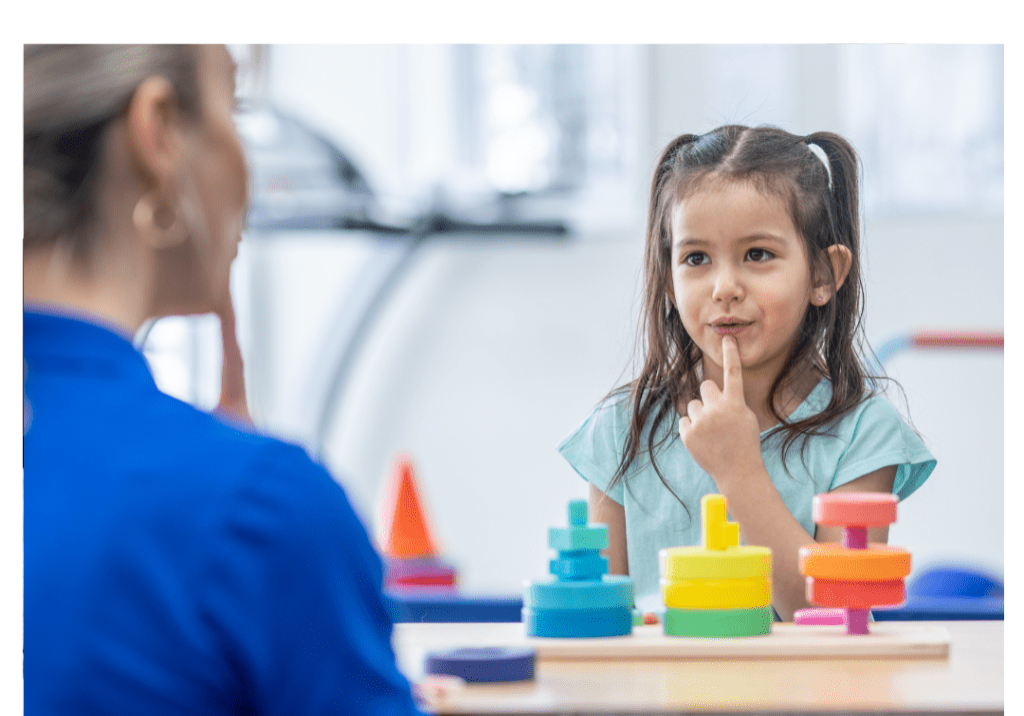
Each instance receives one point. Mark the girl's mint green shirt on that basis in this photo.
(870, 437)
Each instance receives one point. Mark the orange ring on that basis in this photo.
(877, 563)
(855, 595)
(855, 509)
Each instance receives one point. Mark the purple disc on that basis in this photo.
(483, 664)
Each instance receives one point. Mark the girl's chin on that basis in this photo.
(714, 354)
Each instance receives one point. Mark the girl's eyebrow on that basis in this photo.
(693, 242)
(690, 242)
(754, 238)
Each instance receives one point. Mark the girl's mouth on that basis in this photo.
(728, 329)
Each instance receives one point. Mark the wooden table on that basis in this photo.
(969, 680)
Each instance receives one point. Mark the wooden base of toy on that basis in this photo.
(786, 641)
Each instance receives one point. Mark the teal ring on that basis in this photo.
(613, 590)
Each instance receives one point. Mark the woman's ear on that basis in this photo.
(841, 259)
(153, 131)
(151, 127)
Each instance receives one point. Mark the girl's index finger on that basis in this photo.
(732, 372)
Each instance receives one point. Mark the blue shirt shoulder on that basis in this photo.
(176, 564)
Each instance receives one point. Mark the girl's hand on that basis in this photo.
(720, 432)
(232, 382)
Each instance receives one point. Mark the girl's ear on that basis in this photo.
(841, 259)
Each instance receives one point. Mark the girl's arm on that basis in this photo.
(723, 436)
(604, 509)
(765, 520)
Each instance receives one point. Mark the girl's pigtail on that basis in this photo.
(847, 375)
(653, 387)
(845, 195)
(662, 175)
(658, 227)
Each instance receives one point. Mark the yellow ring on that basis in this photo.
(700, 563)
(716, 593)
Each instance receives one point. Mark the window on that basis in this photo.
(928, 123)
(545, 117)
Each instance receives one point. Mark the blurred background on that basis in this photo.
(443, 262)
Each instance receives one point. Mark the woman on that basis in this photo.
(173, 563)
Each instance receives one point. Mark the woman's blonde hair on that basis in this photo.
(72, 93)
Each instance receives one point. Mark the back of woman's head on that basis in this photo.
(72, 94)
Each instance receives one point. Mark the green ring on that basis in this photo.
(718, 622)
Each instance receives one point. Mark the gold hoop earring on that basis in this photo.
(156, 222)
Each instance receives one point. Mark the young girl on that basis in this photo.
(753, 383)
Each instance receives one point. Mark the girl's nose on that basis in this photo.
(727, 287)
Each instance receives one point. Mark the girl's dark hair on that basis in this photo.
(823, 204)
(72, 93)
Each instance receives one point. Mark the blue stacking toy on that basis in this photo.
(582, 600)
(605, 592)
(580, 623)
(579, 564)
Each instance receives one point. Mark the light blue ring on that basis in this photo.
(613, 590)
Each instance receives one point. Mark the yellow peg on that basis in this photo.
(719, 533)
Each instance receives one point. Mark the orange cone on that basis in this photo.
(405, 532)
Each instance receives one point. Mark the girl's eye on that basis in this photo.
(760, 254)
(695, 259)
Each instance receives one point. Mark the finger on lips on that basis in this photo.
(732, 378)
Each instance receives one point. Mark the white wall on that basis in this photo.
(349, 93)
(491, 352)
(488, 356)
(945, 274)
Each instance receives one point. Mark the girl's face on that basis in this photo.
(739, 267)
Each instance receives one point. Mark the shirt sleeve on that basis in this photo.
(880, 438)
(294, 590)
(594, 449)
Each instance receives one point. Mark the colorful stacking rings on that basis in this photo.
(716, 593)
(718, 622)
